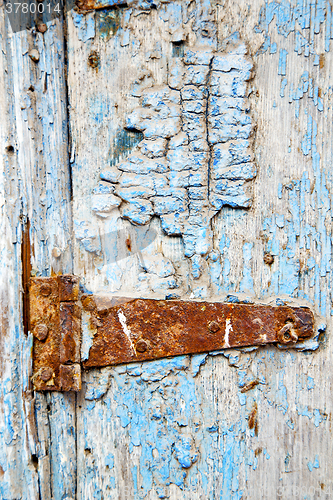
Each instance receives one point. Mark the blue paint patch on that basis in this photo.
(310, 383)
(197, 361)
(247, 281)
(109, 461)
(290, 424)
(282, 62)
(314, 464)
(85, 25)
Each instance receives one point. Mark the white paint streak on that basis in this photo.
(127, 331)
(228, 329)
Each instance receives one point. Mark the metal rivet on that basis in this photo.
(41, 331)
(213, 326)
(268, 258)
(42, 27)
(46, 373)
(34, 55)
(45, 290)
(141, 346)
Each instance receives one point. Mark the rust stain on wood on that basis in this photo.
(26, 273)
(249, 386)
(253, 418)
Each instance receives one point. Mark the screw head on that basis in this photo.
(41, 331)
(268, 258)
(46, 373)
(45, 289)
(141, 346)
(213, 326)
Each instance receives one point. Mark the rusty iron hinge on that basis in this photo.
(55, 323)
(123, 330)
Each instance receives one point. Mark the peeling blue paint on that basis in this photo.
(314, 464)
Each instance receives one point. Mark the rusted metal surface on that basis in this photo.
(125, 330)
(70, 333)
(88, 5)
(70, 377)
(55, 324)
(140, 330)
(68, 287)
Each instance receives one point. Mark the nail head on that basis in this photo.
(213, 326)
(45, 289)
(141, 346)
(46, 373)
(268, 258)
(41, 331)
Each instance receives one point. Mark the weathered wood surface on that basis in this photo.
(37, 432)
(253, 424)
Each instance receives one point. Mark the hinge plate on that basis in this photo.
(55, 323)
(124, 330)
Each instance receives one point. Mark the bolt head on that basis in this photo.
(41, 331)
(45, 289)
(268, 258)
(141, 346)
(46, 373)
(213, 326)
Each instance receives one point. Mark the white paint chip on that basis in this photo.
(228, 329)
(127, 331)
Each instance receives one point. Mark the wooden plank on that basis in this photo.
(18, 448)
(247, 424)
(35, 185)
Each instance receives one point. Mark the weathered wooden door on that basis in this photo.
(170, 149)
